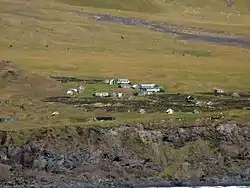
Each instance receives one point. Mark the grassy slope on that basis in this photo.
(212, 14)
(78, 46)
(81, 47)
(147, 6)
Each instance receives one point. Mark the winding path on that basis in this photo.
(177, 31)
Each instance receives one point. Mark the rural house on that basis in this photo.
(117, 81)
(124, 85)
(219, 91)
(123, 81)
(149, 88)
(101, 94)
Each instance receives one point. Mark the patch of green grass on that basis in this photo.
(64, 127)
(90, 89)
(94, 88)
(198, 53)
(212, 15)
(140, 98)
(81, 47)
(191, 153)
(149, 6)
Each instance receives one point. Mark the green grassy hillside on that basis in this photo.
(208, 14)
(217, 4)
(157, 6)
(77, 46)
(53, 38)
(150, 6)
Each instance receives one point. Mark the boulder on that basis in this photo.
(5, 172)
(3, 153)
(226, 129)
(142, 111)
(235, 95)
(40, 163)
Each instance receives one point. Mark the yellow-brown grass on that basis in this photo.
(56, 39)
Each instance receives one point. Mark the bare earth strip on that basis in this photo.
(179, 31)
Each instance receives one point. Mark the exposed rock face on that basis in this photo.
(211, 154)
(5, 172)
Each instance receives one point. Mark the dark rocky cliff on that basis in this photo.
(216, 153)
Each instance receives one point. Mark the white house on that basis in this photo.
(124, 86)
(147, 86)
(112, 82)
(102, 94)
(152, 90)
(123, 81)
(219, 91)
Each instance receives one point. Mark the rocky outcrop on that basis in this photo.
(204, 154)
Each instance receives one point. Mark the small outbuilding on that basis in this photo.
(101, 94)
(149, 88)
(104, 118)
(124, 85)
(123, 81)
(219, 91)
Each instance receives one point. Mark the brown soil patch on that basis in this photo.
(16, 82)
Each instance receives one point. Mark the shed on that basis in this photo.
(190, 99)
(120, 94)
(152, 89)
(101, 94)
(104, 118)
(123, 81)
(124, 85)
(112, 82)
(219, 91)
(147, 86)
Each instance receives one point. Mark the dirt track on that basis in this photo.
(178, 31)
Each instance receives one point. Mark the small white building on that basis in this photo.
(135, 86)
(69, 92)
(219, 91)
(112, 82)
(119, 95)
(144, 86)
(72, 91)
(80, 89)
(124, 86)
(155, 90)
(102, 94)
(123, 81)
